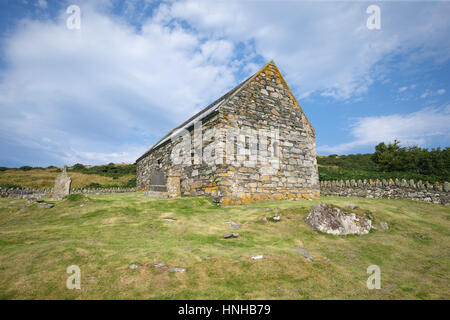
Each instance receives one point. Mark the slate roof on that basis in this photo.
(200, 115)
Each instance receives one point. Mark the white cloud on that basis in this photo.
(415, 128)
(77, 95)
(105, 87)
(441, 91)
(425, 94)
(402, 89)
(324, 49)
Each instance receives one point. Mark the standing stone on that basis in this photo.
(62, 184)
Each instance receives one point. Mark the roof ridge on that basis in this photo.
(227, 96)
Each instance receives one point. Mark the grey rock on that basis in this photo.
(160, 264)
(332, 220)
(350, 206)
(384, 225)
(177, 270)
(62, 184)
(47, 205)
(133, 266)
(277, 217)
(234, 225)
(305, 253)
(231, 235)
(257, 257)
(168, 219)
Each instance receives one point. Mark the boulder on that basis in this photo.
(332, 220)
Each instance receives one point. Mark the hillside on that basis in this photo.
(361, 166)
(107, 176)
(388, 161)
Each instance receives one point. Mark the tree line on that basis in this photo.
(389, 161)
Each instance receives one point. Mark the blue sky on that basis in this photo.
(135, 69)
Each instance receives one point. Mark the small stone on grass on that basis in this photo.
(233, 225)
(231, 235)
(350, 206)
(47, 205)
(177, 270)
(384, 225)
(305, 253)
(160, 264)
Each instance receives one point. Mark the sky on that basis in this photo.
(108, 90)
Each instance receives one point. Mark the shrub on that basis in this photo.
(131, 183)
(78, 167)
(94, 185)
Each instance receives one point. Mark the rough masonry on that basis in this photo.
(391, 189)
(255, 143)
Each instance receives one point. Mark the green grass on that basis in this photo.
(104, 234)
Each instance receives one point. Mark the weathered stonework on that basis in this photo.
(173, 185)
(264, 102)
(62, 184)
(392, 189)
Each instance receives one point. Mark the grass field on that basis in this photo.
(45, 178)
(104, 234)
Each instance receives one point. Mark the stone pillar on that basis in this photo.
(62, 185)
(173, 185)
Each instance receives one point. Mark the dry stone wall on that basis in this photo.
(391, 189)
